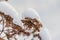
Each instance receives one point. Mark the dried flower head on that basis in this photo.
(11, 29)
(29, 23)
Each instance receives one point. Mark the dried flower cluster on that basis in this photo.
(30, 23)
(11, 29)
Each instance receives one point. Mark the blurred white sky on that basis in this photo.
(49, 11)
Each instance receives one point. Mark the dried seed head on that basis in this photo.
(7, 21)
(29, 23)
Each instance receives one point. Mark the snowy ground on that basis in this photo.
(49, 11)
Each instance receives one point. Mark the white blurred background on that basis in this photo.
(49, 11)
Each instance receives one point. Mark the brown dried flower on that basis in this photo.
(7, 22)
